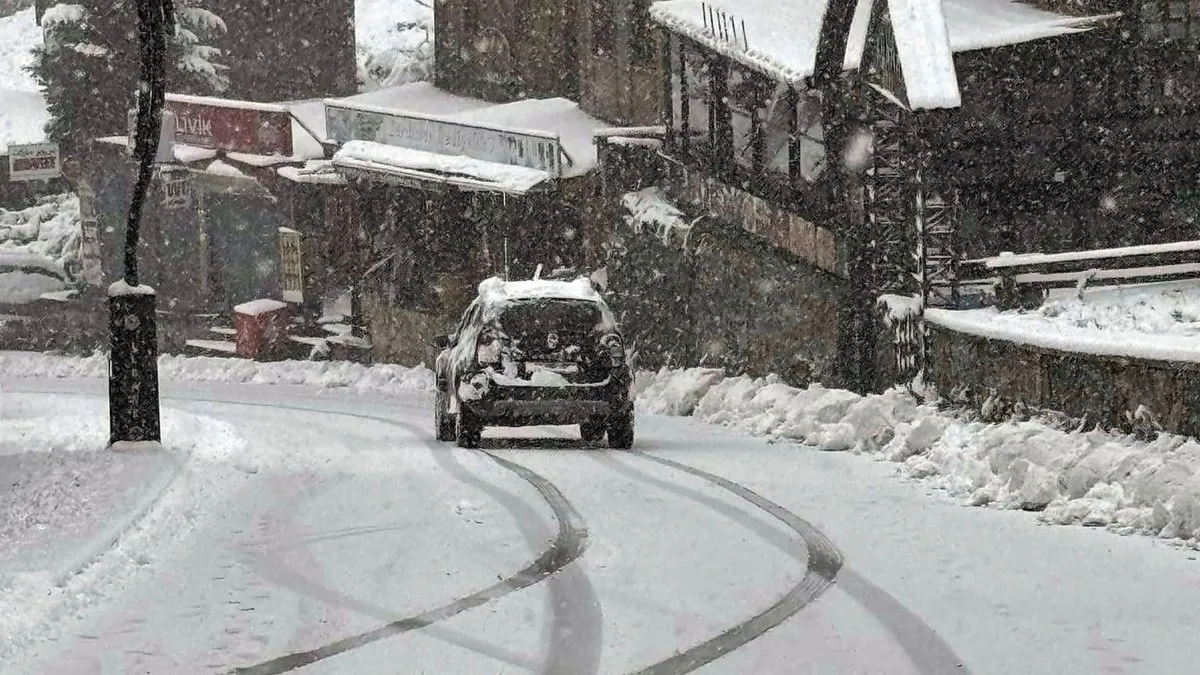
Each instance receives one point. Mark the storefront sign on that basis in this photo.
(445, 137)
(291, 265)
(233, 126)
(177, 193)
(35, 161)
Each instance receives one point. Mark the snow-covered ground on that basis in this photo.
(395, 41)
(1067, 476)
(1152, 321)
(302, 526)
(73, 512)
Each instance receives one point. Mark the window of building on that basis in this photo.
(1170, 19)
(743, 127)
(691, 88)
(808, 140)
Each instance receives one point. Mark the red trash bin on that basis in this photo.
(261, 326)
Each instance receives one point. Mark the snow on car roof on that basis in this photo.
(498, 291)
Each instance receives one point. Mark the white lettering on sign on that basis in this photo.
(446, 137)
(190, 125)
(177, 192)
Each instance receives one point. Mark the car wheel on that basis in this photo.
(467, 429)
(443, 421)
(620, 431)
(592, 430)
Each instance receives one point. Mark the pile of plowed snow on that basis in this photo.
(1091, 478)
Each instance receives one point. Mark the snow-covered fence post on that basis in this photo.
(904, 315)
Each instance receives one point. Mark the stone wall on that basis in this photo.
(1105, 390)
(721, 298)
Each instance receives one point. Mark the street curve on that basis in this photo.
(568, 545)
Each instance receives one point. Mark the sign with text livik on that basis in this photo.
(444, 137)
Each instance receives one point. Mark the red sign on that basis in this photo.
(233, 126)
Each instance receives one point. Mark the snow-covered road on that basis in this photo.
(334, 534)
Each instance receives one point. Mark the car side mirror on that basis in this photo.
(441, 341)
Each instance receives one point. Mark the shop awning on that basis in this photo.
(433, 171)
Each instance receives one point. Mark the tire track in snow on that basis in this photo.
(568, 545)
(574, 629)
(823, 561)
(924, 647)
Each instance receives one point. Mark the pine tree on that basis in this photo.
(88, 66)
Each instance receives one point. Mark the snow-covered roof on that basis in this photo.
(780, 36)
(464, 172)
(926, 58)
(418, 97)
(553, 116)
(560, 116)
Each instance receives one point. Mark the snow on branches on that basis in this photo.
(88, 65)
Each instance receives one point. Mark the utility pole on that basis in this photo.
(133, 369)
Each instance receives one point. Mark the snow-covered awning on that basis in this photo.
(421, 117)
(418, 168)
(779, 37)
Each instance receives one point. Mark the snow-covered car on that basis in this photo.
(528, 353)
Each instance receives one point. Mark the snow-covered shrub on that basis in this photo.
(394, 42)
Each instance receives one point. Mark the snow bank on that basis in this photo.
(1069, 477)
(19, 288)
(48, 231)
(382, 378)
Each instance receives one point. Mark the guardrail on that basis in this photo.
(1022, 280)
